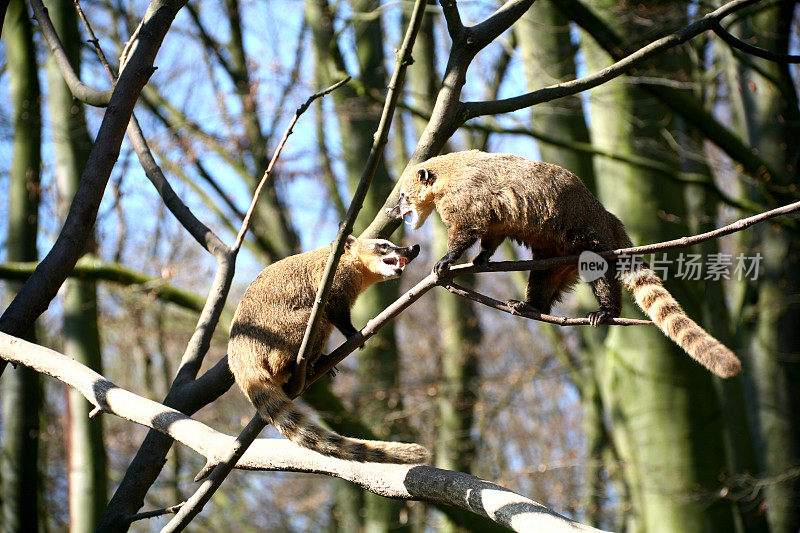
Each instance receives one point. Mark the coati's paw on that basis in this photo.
(596, 317)
(442, 266)
(517, 306)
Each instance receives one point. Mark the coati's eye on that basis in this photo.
(382, 248)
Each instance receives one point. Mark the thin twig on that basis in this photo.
(475, 296)
(747, 48)
(403, 59)
(300, 110)
(154, 513)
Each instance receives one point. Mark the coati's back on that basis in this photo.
(265, 337)
(541, 205)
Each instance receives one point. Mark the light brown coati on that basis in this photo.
(269, 325)
(548, 209)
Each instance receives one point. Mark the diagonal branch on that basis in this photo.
(490, 29)
(407, 482)
(403, 59)
(40, 289)
(475, 296)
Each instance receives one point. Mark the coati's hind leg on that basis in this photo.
(608, 291)
(489, 244)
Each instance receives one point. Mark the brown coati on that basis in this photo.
(269, 325)
(548, 209)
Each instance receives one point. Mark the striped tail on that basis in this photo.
(668, 315)
(275, 407)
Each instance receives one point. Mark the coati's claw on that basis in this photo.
(332, 372)
(441, 266)
(518, 306)
(596, 317)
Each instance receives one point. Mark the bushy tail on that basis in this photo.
(275, 407)
(668, 315)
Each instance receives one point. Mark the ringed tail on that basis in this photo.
(670, 317)
(277, 408)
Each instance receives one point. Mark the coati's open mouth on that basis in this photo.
(396, 261)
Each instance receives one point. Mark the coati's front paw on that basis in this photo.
(442, 266)
(596, 317)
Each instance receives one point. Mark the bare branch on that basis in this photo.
(91, 267)
(498, 22)
(79, 90)
(475, 109)
(464, 292)
(452, 19)
(403, 59)
(748, 48)
(392, 481)
(37, 293)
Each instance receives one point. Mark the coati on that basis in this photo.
(490, 197)
(269, 325)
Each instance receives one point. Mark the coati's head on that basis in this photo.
(416, 197)
(381, 257)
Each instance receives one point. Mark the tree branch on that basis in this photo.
(403, 59)
(747, 48)
(79, 90)
(475, 109)
(452, 19)
(464, 292)
(37, 293)
(498, 22)
(392, 481)
(92, 268)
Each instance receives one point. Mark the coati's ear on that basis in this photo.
(425, 177)
(349, 242)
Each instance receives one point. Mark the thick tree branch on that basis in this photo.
(452, 19)
(392, 481)
(490, 29)
(495, 107)
(40, 289)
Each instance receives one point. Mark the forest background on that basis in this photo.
(612, 426)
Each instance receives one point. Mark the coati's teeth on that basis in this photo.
(403, 261)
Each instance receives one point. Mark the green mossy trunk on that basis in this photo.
(664, 412)
(21, 387)
(764, 100)
(87, 463)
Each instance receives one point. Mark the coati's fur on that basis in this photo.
(490, 197)
(269, 325)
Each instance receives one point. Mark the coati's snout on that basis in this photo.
(382, 257)
(404, 207)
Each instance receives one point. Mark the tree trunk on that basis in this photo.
(765, 100)
(21, 387)
(663, 408)
(87, 472)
